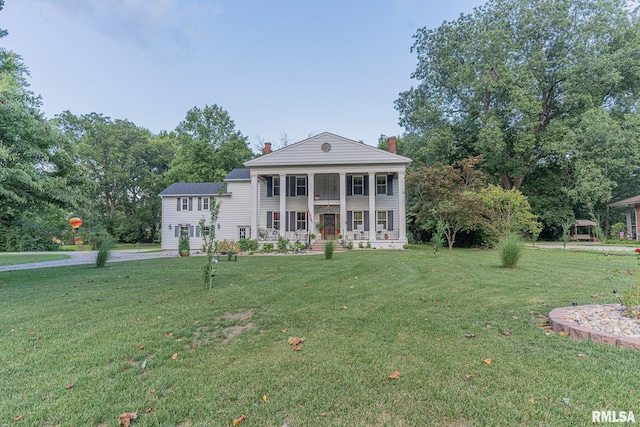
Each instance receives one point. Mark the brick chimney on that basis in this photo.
(267, 147)
(391, 144)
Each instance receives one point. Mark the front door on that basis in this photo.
(329, 226)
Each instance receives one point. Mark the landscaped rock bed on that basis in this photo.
(606, 323)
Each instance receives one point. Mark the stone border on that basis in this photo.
(559, 323)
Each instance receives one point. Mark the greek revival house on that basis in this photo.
(328, 186)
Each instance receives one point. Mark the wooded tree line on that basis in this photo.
(545, 91)
(107, 171)
(539, 96)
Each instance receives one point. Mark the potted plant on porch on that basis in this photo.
(183, 244)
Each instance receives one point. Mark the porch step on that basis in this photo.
(319, 245)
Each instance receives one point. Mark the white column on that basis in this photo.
(310, 203)
(373, 218)
(343, 205)
(283, 204)
(254, 206)
(402, 207)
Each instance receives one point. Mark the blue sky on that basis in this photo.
(294, 67)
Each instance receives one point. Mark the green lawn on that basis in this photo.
(12, 259)
(80, 345)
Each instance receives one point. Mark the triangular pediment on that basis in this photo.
(327, 149)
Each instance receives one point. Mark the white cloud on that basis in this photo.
(155, 24)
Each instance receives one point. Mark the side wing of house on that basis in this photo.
(183, 206)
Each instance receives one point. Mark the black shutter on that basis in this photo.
(269, 219)
(190, 203)
(286, 221)
(366, 185)
(349, 185)
(389, 185)
(179, 203)
(199, 203)
(390, 220)
(269, 186)
(292, 221)
(349, 220)
(292, 185)
(366, 220)
(178, 230)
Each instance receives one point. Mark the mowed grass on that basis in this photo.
(12, 259)
(74, 341)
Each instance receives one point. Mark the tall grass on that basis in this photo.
(328, 249)
(104, 252)
(510, 251)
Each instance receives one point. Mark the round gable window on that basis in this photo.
(326, 147)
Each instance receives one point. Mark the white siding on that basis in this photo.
(235, 211)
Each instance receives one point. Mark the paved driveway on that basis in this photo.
(88, 257)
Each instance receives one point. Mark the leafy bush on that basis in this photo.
(95, 237)
(104, 252)
(617, 228)
(183, 243)
(511, 251)
(328, 249)
(248, 245)
(227, 246)
(31, 235)
(267, 247)
(350, 245)
(283, 243)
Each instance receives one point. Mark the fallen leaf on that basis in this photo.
(487, 361)
(344, 307)
(503, 332)
(18, 418)
(297, 348)
(532, 312)
(141, 347)
(532, 400)
(149, 410)
(175, 356)
(283, 330)
(237, 421)
(470, 335)
(595, 295)
(264, 398)
(395, 375)
(542, 316)
(563, 333)
(582, 355)
(170, 334)
(193, 347)
(69, 386)
(125, 419)
(515, 317)
(295, 340)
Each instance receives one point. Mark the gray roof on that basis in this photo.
(238, 173)
(193, 189)
(631, 201)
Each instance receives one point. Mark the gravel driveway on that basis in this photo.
(88, 257)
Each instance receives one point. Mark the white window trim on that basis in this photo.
(360, 186)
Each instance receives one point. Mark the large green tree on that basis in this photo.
(513, 80)
(442, 196)
(209, 146)
(126, 165)
(39, 180)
